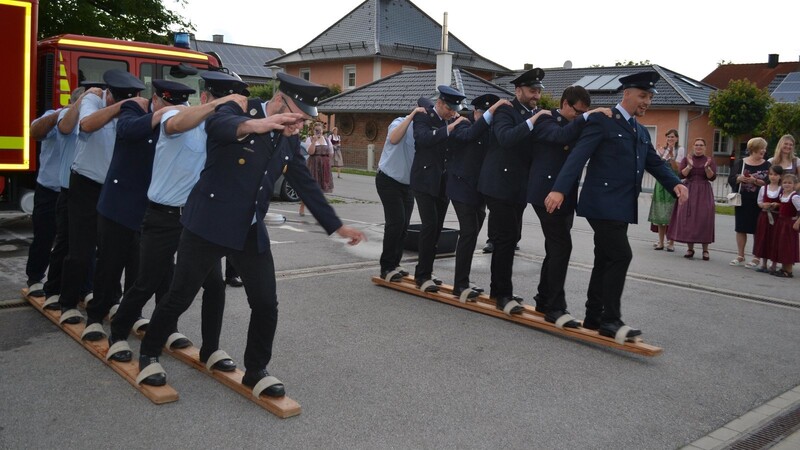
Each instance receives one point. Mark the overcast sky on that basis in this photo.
(689, 37)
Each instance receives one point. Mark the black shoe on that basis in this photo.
(591, 323)
(250, 379)
(471, 296)
(158, 379)
(180, 343)
(436, 280)
(234, 281)
(52, 306)
(224, 365)
(488, 248)
(503, 301)
(516, 248)
(609, 329)
(395, 278)
(430, 288)
(477, 289)
(517, 298)
(122, 355)
(93, 335)
(553, 316)
(72, 320)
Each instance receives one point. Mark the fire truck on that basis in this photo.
(38, 76)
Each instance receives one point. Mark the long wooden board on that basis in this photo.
(282, 407)
(530, 317)
(128, 370)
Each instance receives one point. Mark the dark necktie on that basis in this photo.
(632, 121)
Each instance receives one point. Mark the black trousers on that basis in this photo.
(117, 251)
(230, 271)
(470, 221)
(161, 232)
(504, 218)
(60, 250)
(612, 256)
(432, 210)
(558, 248)
(197, 257)
(44, 233)
(82, 207)
(398, 205)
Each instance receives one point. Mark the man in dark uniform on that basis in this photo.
(428, 180)
(504, 179)
(96, 141)
(553, 138)
(619, 150)
(470, 140)
(123, 201)
(224, 216)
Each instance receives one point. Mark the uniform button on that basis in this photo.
(265, 172)
(260, 188)
(149, 141)
(241, 161)
(505, 170)
(549, 177)
(286, 158)
(605, 184)
(256, 202)
(424, 167)
(211, 195)
(252, 141)
(116, 181)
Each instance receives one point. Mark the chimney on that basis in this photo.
(772, 62)
(218, 38)
(527, 66)
(444, 59)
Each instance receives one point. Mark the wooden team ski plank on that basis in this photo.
(128, 370)
(529, 317)
(282, 407)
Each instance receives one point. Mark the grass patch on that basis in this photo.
(335, 200)
(359, 172)
(724, 209)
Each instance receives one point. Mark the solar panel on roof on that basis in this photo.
(789, 89)
(599, 83)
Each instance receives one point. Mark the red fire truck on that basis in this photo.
(38, 76)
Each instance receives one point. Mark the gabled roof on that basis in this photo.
(395, 29)
(246, 60)
(674, 89)
(760, 74)
(399, 92)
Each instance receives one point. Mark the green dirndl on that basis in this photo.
(661, 206)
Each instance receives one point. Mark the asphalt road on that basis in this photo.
(376, 368)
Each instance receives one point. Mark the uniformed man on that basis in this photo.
(393, 185)
(504, 180)
(428, 180)
(619, 150)
(67, 126)
(470, 139)
(97, 125)
(123, 201)
(553, 138)
(179, 158)
(224, 215)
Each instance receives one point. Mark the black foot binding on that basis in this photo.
(562, 319)
(428, 286)
(476, 288)
(51, 303)
(509, 306)
(489, 248)
(517, 298)
(591, 323)
(93, 332)
(466, 294)
(618, 330)
(402, 271)
(392, 275)
(219, 360)
(118, 350)
(436, 280)
(234, 281)
(177, 341)
(150, 371)
(70, 316)
(36, 289)
(140, 326)
(263, 383)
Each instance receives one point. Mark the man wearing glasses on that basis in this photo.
(553, 138)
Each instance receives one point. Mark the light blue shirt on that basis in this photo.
(178, 161)
(69, 143)
(49, 156)
(94, 150)
(396, 159)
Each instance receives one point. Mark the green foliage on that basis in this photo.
(646, 62)
(262, 91)
(335, 90)
(739, 109)
(547, 101)
(782, 118)
(139, 20)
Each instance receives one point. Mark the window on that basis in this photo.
(193, 81)
(409, 68)
(305, 74)
(652, 130)
(92, 69)
(721, 144)
(349, 77)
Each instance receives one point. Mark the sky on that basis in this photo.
(688, 37)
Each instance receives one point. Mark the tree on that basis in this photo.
(782, 118)
(739, 109)
(646, 62)
(139, 20)
(548, 102)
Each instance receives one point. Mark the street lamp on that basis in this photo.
(274, 70)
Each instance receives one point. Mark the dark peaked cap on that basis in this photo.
(425, 102)
(122, 84)
(452, 97)
(220, 84)
(305, 94)
(172, 91)
(645, 81)
(532, 78)
(485, 101)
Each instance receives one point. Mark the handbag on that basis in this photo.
(735, 198)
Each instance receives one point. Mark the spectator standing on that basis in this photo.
(746, 178)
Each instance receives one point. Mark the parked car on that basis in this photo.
(284, 191)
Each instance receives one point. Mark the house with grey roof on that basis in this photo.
(247, 61)
(376, 39)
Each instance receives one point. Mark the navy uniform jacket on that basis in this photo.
(430, 153)
(619, 157)
(504, 174)
(469, 142)
(123, 198)
(553, 137)
(238, 178)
